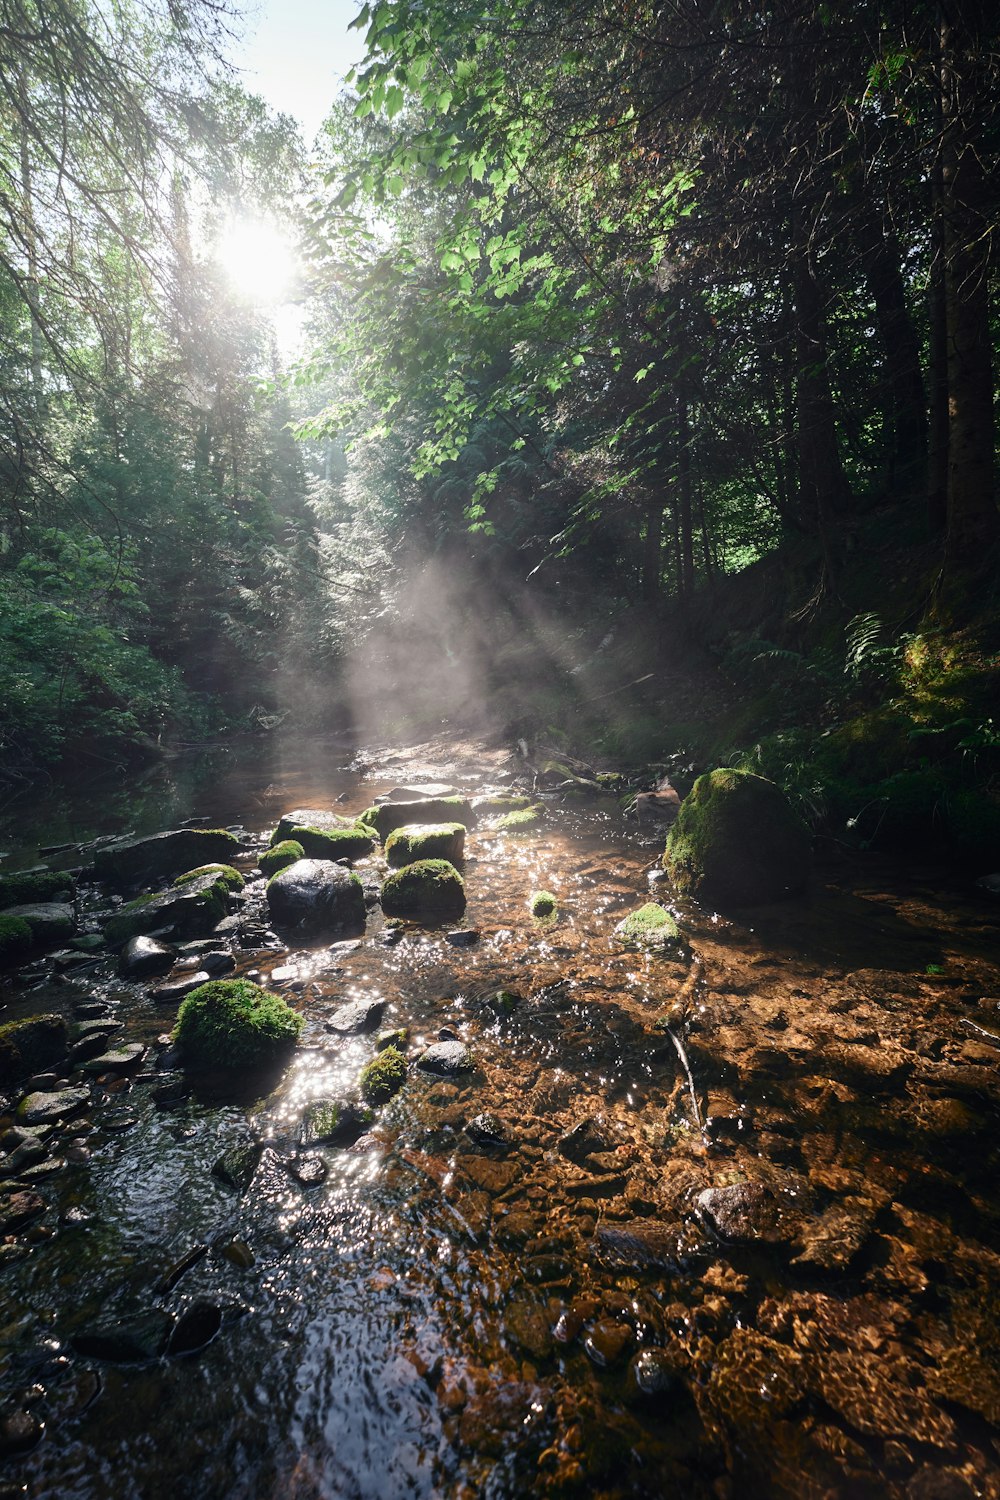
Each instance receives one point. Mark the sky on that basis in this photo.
(295, 54)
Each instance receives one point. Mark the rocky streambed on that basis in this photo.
(639, 1212)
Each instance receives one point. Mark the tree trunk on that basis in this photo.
(686, 554)
(965, 69)
(822, 479)
(651, 551)
(907, 403)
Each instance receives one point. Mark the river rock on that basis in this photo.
(639, 1245)
(143, 956)
(196, 1327)
(170, 853)
(28, 1045)
(186, 910)
(216, 963)
(309, 1170)
(487, 1130)
(17, 1210)
(528, 1325)
(173, 992)
(50, 921)
(335, 1122)
(420, 793)
(41, 1108)
(308, 817)
(28, 1153)
(358, 1015)
(651, 1373)
(392, 815)
(121, 1060)
(582, 1141)
(737, 841)
(445, 1058)
(743, 1213)
(128, 1340)
(316, 896)
(608, 1342)
(92, 1038)
(237, 1166)
(20, 1431)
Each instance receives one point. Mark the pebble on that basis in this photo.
(446, 1057)
(462, 937)
(357, 1016)
(607, 1343)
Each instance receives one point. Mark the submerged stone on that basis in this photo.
(28, 1045)
(744, 1212)
(649, 926)
(335, 1122)
(129, 1340)
(357, 1015)
(738, 840)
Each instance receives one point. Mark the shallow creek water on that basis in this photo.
(565, 1312)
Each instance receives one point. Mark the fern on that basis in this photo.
(869, 658)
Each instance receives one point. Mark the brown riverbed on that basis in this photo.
(785, 1285)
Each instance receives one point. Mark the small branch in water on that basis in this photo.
(981, 1031)
(682, 1054)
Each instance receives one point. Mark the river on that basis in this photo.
(731, 1226)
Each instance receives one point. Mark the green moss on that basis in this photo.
(369, 817)
(425, 841)
(188, 908)
(398, 1037)
(233, 1023)
(280, 857)
(737, 840)
(231, 879)
(383, 1076)
(15, 938)
(40, 885)
(32, 1043)
(543, 904)
(502, 802)
(648, 924)
(430, 887)
(334, 843)
(390, 815)
(522, 820)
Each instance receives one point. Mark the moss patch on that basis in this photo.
(233, 1023)
(425, 841)
(31, 1044)
(648, 924)
(543, 904)
(390, 815)
(383, 1076)
(430, 887)
(231, 879)
(41, 885)
(191, 909)
(15, 938)
(737, 840)
(522, 820)
(334, 843)
(503, 802)
(280, 856)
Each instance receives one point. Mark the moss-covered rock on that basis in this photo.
(49, 922)
(15, 938)
(501, 802)
(543, 904)
(34, 886)
(308, 817)
(737, 841)
(335, 1122)
(414, 841)
(316, 896)
(649, 925)
(353, 842)
(231, 879)
(31, 1044)
(233, 1023)
(390, 815)
(522, 820)
(280, 856)
(383, 1076)
(128, 860)
(188, 910)
(430, 887)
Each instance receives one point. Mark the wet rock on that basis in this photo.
(50, 921)
(583, 1140)
(357, 1016)
(217, 962)
(175, 990)
(398, 1038)
(20, 1431)
(308, 817)
(608, 1343)
(88, 942)
(446, 1058)
(744, 1213)
(831, 1242)
(528, 1326)
(462, 937)
(392, 815)
(237, 1166)
(238, 1253)
(335, 1122)
(170, 853)
(430, 888)
(638, 1245)
(737, 841)
(651, 1373)
(121, 1060)
(185, 910)
(31, 1044)
(545, 1270)
(89, 1010)
(196, 1327)
(118, 1121)
(28, 1153)
(18, 1210)
(309, 1170)
(143, 956)
(129, 1340)
(490, 1175)
(92, 1037)
(316, 896)
(421, 792)
(43, 1108)
(649, 926)
(487, 1130)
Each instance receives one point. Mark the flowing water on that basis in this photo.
(739, 1234)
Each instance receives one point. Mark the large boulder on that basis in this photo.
(48, 921)
(425, 841)
(171, 853)
(392, 815)
(30, 1045)
(354, 842)
(189, 910)
(738, 841)
(316, 896)
(428, 888)
(308, 817)
(233, 1023)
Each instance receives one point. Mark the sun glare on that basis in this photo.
(259, 261)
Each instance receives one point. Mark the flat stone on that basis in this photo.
(743, 1213)
(143, 956)
(445, 1058)
(170, 853)
(309, 817)
(176, 989)
(50, 921)
(217, 962)
(17, 1210)
(639, 1245)
(357, 1016)
(462, 937)
(187, 910)
(528, 1326)
(28, 1154)
(119, 1060)
(420, 792)
(237, 1166)
(39, 1108)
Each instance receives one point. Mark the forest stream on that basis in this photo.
(711, 1220)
